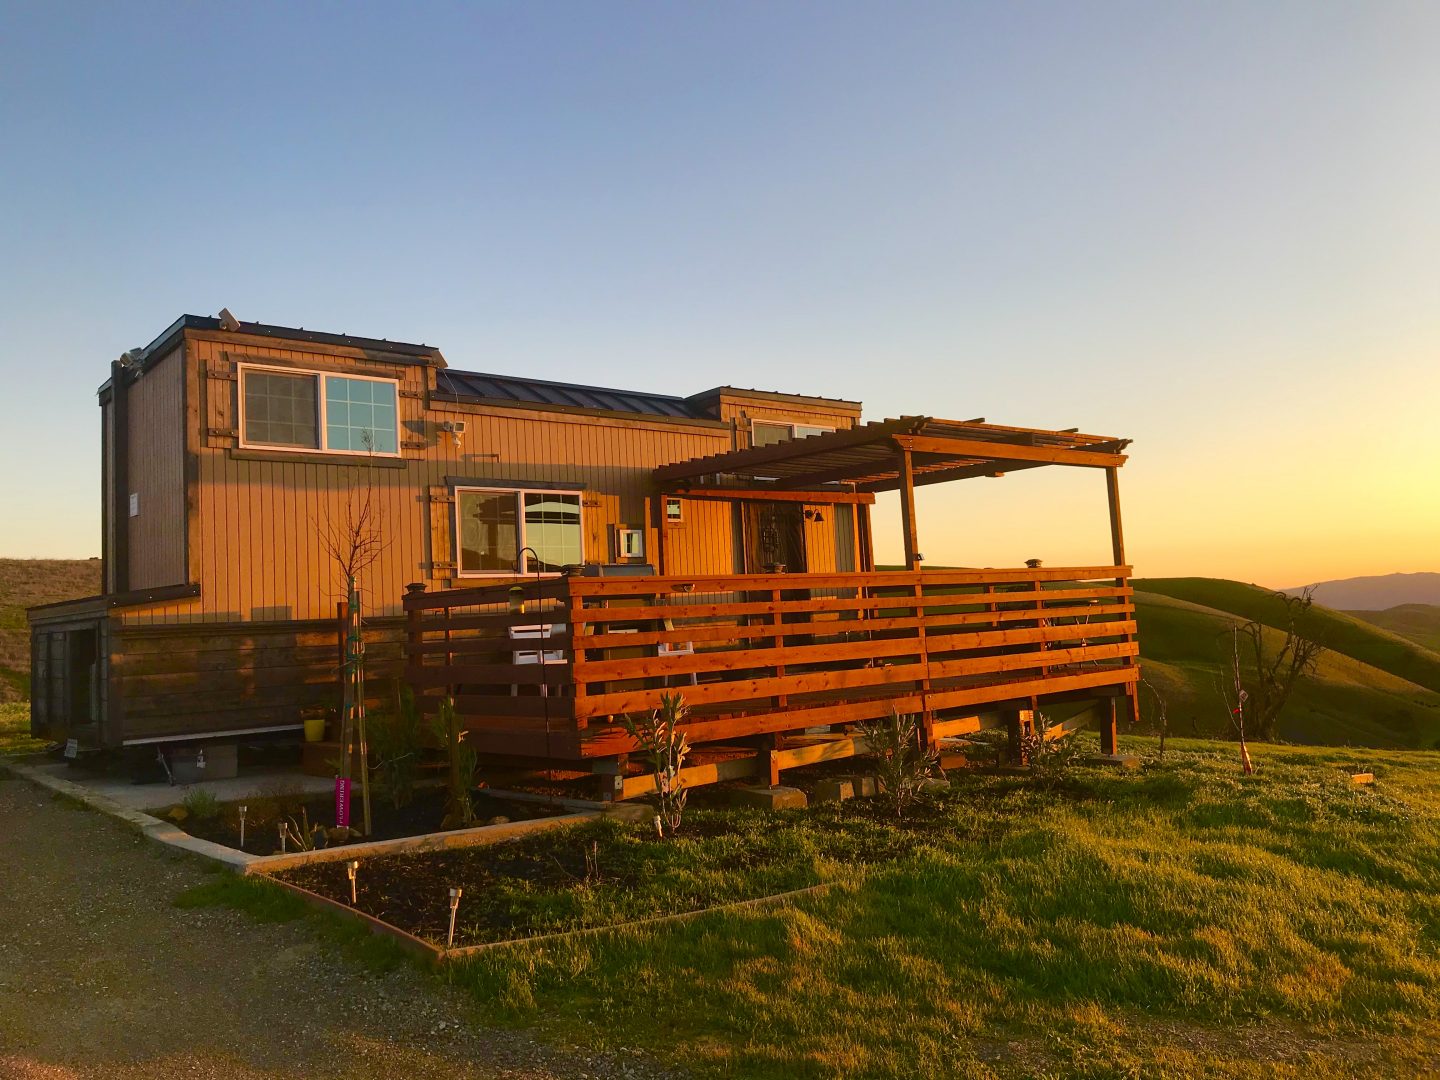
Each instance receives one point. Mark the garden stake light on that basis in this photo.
(282, 838)
(454, 907)
(350, 868)
(242, 824)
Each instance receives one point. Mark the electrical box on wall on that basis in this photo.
(134, 504)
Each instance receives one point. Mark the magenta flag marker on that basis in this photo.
(342, 802)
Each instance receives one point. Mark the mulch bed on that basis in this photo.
(422, 815)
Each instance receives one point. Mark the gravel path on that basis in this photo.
(102, 976)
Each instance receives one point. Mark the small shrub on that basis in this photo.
(666, 749)
(275, 800)
(902, 761)
(1049, 758)
(463, 760)
(301, 835)
(201, 805)
(395, 740)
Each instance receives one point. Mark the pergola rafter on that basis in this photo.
(902, 454)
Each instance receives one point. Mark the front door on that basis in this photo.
(774, 538)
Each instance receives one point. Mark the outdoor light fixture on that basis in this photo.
(282, 838)
(684, 587)
(243, 808)
(517, 600)
(454, 907)
(350, 868)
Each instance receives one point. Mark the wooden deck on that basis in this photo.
(760, 659)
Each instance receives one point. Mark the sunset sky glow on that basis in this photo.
(1213, 229)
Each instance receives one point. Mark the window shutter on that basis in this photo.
(442, 567)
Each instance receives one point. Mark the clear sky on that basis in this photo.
(1213, 228)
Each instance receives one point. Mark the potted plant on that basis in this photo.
(314, 721)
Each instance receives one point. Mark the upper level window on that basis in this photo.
(302, 410)
(768, 433)
(494, 527)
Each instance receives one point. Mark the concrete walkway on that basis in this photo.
(102, 976)
(133, 796)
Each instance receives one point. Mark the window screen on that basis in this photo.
(360, 415)
(281, 410)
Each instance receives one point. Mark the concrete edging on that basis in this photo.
(241, 862)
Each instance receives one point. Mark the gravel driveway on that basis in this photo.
(102, 976)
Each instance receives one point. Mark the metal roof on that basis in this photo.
(510, 389)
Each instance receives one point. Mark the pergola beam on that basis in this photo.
(907, 511)
(977, 448)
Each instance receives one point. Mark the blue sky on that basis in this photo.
(1210, 228)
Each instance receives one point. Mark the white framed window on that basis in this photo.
(331, 412)
(629, 543)
(770, 432)
(674, 510)
(493, 526)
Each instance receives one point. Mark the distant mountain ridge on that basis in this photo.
(1375, 593)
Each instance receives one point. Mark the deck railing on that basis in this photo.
(758, 654)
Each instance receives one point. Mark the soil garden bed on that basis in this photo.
(608, 872)
(265, 811)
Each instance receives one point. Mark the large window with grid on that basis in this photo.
(312, 410)
(494, 527)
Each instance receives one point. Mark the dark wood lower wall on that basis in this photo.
(209, 678)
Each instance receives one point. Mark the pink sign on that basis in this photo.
(342, 802)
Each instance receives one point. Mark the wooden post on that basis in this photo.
(1117, 551)
(343, 634)
(1117, 530)
(907, 511)
(1018, 723)
(1109, 743)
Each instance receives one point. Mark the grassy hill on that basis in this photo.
(1356, 638)
(1348, 702)
(1419, 623)
(25, 583)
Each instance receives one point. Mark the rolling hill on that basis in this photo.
(1419, 623)
(25, 583)
(1373, 688)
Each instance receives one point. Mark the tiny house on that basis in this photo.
(720, 542)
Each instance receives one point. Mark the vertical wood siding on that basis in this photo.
(259, 520)
(156, 442)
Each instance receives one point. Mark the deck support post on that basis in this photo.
(907, 511)
(1109, 743)
(1018, 724)
(1117, 550)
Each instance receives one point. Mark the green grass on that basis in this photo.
(1419, 623)
(15, 729)
(1132, 924)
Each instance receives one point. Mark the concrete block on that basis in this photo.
(864, 787)
(1123, 761)
(837, 790)
(769, 798)
(1362, 778)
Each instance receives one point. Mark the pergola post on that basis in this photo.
(907, 510)
(1117, 529)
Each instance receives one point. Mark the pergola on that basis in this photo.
(899, 454)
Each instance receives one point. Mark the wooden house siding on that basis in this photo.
(155, 439)
(257, 527)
